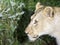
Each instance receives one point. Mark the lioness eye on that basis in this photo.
(35, 21)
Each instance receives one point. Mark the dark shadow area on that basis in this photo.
(48, 39)
(22, 24)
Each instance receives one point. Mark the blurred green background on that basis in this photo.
(14, 18)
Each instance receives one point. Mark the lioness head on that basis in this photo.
(41, 22)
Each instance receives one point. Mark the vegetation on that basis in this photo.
(14, 18)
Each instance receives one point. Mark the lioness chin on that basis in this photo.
(45, 20)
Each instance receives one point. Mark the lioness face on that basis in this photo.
(41, 23)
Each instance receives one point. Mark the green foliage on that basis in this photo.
(10, 12)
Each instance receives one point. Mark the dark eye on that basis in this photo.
(35, 21)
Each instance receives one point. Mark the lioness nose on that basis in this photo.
(26, 32)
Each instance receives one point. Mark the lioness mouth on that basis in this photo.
(36, 36)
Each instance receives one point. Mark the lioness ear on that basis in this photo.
(49, 11)
(38, 5)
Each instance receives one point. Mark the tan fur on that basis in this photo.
(46, 20)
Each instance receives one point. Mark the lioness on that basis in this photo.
(45, 20)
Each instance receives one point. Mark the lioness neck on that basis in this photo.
(56, 32)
